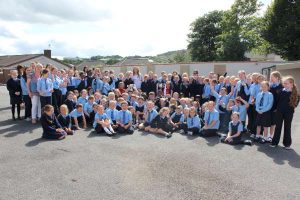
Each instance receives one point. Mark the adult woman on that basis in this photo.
(32, 80)
(137, 78)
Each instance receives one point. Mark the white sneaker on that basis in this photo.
(190, 133)
(268, 139)
(27, 119)
(252, 136)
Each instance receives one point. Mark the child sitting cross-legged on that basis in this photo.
(102, 122)
(234, 135)
(65, 120)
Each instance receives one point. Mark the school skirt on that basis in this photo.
(15, 99)
(264, 119)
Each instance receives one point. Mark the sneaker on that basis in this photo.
(248, 142)
(168, 135)
(288, 148)
(256, 138)
(27, 119)
(269, 139)
(252, 136)
(190, 133)
(262, 140)
(273, 145)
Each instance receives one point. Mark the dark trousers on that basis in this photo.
(224, 121)
(285, 118)
(252, 114)
(209, 132)
(56, 100)
(129, 130)
(13, 108)
(27, 101)
(99, 129)
(195, 130)
(45, 101)
(235, 141)
(55, 136)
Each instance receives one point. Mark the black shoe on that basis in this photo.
(248, 142)
(168, 135)
(19, 118)
(14, 118)
(262, 141)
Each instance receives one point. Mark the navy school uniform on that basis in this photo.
(45, 87)
(160, 122)
(275, 89)
(50, 124)
(13, 86)
(234, 128)
(141, 109)
(175, 117)
(82, 84)
(124, 117)
(98, 128)
(64, 121)
(263, 104)
(70, 104)
(284, 114)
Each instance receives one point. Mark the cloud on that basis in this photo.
(4, 32)
(51, 12)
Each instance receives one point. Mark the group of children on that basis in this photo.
(225, 106)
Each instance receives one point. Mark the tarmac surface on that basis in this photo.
(140, 166)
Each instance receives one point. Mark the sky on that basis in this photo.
(100, 27)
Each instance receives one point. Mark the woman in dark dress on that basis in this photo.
(14, 87)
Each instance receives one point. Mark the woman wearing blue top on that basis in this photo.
(33, 93)
(263, 105)
(45, 88)
(26, 97)
(193, 123)
(211, 119)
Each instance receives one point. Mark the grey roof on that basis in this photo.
(133, 61)
(9, 60)
(90, 64)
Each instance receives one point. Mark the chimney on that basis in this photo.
(47, 53)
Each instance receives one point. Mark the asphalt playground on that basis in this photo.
(140, 166)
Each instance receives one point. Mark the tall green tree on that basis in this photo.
(282, 31)
(203, 37)
(240, 30)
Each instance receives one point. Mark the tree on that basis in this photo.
(240, 30)
(282, 28)
(202, 39)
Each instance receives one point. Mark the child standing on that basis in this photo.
(263, 105)
(45, 88)
(13, 85)
(288, 100)
(275, 89)
(51, 127)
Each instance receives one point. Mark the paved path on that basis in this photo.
(140, 166)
